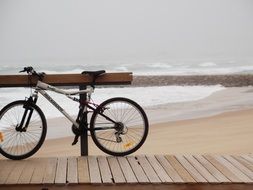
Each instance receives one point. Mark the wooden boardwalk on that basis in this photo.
(196, 171)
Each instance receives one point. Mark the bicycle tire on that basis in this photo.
(24, 146)
(125, 116)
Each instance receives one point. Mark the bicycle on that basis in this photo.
(118, 126)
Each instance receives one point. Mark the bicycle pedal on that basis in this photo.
(75, 140)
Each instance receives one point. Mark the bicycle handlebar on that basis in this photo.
(27, 69)
(93, 74)
(30, 70)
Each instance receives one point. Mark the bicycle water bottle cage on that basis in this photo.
(94, 75)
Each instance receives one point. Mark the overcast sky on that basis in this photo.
(80, 30)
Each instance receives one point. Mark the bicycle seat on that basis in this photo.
(94, 73)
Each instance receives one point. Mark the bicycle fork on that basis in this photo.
(22, 127)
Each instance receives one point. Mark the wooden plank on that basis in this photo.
(164, 177)
(117, 174)
(95, 177)
(105, 170)
(187, 178)
(149, 171)
(50, 171)
(61, 171)
(127, 170)
(39, 171)
(137, 169)
(27, 173)
(15, 173)
(248, 158)
(83, 170)
(233, 169)
(213, 170)
(201, 169)
(66, 79)
(72, 170)
(224, 170)
(194, 173)
(169, 169)
(244, 162)
(6, 168)
(239, 166)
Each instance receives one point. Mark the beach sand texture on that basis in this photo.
(219, 124)
(227, 133)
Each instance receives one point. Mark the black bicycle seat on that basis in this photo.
(94, 73)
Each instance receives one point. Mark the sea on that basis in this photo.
(175, 67)
(145, 96)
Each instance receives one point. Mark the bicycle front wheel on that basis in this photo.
(119, 126)
(23, 129)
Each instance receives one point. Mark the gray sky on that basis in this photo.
(116, 30)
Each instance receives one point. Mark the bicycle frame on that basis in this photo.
(41, 87)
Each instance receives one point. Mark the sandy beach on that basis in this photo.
(227, 133)
(218, 124)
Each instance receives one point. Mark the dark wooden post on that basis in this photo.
(84, 136)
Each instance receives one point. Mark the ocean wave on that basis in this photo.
(199, 71)
(160, 65)
(208, 64)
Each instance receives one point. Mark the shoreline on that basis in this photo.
(226, 100)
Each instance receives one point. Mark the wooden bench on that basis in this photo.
(79, 80)
(131, 172)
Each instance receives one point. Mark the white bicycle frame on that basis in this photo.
(41, 87)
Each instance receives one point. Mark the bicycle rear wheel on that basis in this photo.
(21, 142)
(119, 126)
